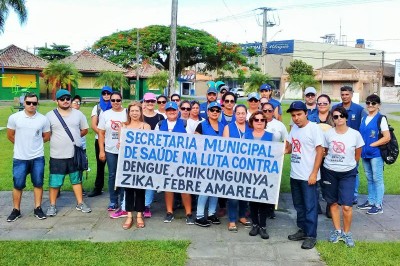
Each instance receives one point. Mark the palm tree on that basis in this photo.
(158, 80)
(115, 80)
(17, 5)
(61, 75)
(255, 80)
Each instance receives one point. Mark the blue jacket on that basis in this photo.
(235, 133)
(179, 126)
(266, 137)
(356, 113)
(208, 129)
(203, 110)
(222, 119)
(370, 134)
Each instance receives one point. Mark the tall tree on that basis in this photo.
(228, 57)
(61, 75)
(115, 80)
(256, 79)
(18, 6)
(301, 74)
(56, 52)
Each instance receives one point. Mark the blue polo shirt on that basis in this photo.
(356, 113)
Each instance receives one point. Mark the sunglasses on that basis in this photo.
(64, 99)
(214, 110)
(175, 100)
(259, 120)
(268, 111)
(185, 108)
(31, 103)
(310, 95)
(77, 103)
(253, 100)
(229, 101)
(115, 100)
(336, 117)
(322, 104)
(371, 103)
(161, 102)
(150, 101)
(105, 93)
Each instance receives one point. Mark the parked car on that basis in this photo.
(239, 92)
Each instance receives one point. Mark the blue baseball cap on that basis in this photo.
(107, 88)
(297, 106)
(265, 87)
(60, 93)
(212, 89)
(171, 105)
(213, 104)
(254, 95)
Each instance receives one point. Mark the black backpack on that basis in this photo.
(390, 150)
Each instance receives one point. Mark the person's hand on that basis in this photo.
(312, 179)
(102, 156)
(118, 145)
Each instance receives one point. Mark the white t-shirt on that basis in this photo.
(304, 142)
(191, 125)
(28, 143)
(341, 149)
(278, 130)
(171, 125)
(384, 124)
(111, 121)
(94, 113)
(61, 146)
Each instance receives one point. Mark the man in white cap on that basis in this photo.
(310, 99)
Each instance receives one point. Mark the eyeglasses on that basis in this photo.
(211, 94)
(310, 95)
(322, 104)
(253, 100)
(161, 102)
(371, 103)
(175, 100)
(105, 93)
(31, 103)
(336, 117)
(115, 100)
(229, 101)
(259, 120)
(150, 101)
(77, 103)
(214, 110)
(268, 111)
(64, 99)
(185, 108)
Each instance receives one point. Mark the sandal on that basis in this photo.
(246, 224)
(138, 223)
(127, 225)
(232, 228)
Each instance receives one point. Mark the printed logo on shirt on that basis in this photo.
(353, 116)
(115, 125)
(373, 134)
(339, 147)
(296, 145)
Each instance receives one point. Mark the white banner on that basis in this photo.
(205, 165)
(397, 72)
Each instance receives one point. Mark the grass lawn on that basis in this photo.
(89, 253)
(395, 113)
(364, 253)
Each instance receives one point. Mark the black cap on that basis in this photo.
(296, 106)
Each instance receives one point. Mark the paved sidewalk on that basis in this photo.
(209, 246)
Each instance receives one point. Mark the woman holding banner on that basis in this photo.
(237, 129)
(259, 211)
(212, 127)
(134, 197)
(194, 118)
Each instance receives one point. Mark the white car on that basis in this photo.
(239, 92)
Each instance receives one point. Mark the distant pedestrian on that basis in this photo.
(305, 145)
(62, 150)
(28, 130)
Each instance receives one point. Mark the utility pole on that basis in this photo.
(172, 51)
(266, 24)
(382, 70)
(137, 67)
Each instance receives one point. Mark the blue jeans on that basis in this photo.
(115, 192)
(374, 171)
(305, 201)
(149, 196)
(21, 168)
(201, 205)
(233, 209)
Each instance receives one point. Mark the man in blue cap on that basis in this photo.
(305, 145)
(266, 92)
(62, 150)
(211, 97)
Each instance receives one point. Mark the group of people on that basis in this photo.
(321, 138)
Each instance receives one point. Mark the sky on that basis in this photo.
(79, 23)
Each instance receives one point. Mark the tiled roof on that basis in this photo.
(363, 65)
(13, 57)
(85, 61)
(145, 71)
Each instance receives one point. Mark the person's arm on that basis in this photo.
(46, 136)
(102, 136)
(358, 154)
(84, 132)
(225, 134)
(276, 114)
(385, 134)
(312, 179)
(288, 147)
(11, 135)
(94, 120)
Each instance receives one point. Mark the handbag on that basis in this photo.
(80, 158)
